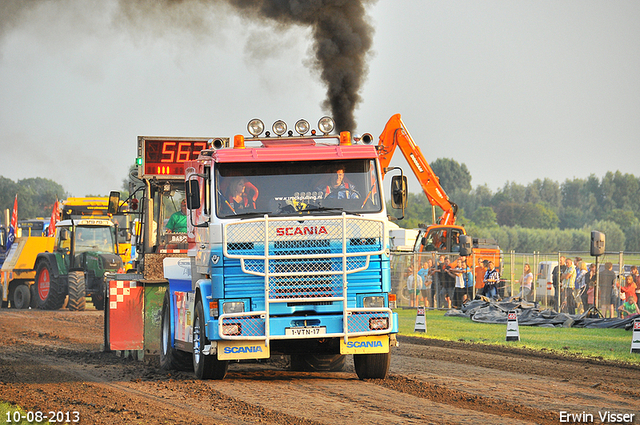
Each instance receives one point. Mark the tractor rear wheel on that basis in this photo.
(77, 291)
(49, 296)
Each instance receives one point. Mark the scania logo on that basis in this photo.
(240, 350)
(364, 344)
(301, 231)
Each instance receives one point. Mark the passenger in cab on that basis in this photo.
(241, 196)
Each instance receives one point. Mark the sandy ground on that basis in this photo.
(51, 361)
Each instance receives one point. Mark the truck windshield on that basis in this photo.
(297, 188)
(88, 238)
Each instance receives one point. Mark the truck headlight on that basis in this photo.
(233, 307)
(231, 329)
(326, 125)
(302, 126)
(255, 127)
(376, 301)
(377, 323)
(279, 127)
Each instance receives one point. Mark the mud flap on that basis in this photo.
(126, 315)
(242, 349)
(376, 344)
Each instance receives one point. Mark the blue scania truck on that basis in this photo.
(286, 249)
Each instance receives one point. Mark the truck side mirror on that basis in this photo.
(64, 234)
(597, 243)
(193, 194)
(114, 202)
(399, 192)
(466, 245)
(3, 237)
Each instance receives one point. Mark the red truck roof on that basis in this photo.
(294, 152)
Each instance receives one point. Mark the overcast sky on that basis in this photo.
(516, 90)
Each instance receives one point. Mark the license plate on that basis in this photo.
(306, 331)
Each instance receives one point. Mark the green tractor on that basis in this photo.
(84, 250)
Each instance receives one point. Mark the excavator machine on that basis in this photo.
(443, 235)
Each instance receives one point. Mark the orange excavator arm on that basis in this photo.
(395, 135)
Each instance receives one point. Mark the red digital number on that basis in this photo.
(171, 153)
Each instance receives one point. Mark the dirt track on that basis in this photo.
(51, 361)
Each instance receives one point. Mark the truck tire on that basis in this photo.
(205, 367)
(318, 362)
(170, 358)
(98, 301)
(77, 291)
(49, 297)
(372, 366)
(34, 296)
(21, 297)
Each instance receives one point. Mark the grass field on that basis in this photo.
(607, 344)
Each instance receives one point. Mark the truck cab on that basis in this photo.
(287, 254)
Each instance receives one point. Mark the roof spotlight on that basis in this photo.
(255, 127)
(302, 126)
(326, 125)
(279, 127)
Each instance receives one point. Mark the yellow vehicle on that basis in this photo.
(96, 207)
(18, 271)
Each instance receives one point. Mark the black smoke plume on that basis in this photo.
(342, 35)
(342, 38)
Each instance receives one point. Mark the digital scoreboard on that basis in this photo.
(164, 157)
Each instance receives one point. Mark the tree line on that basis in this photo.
(544, 215)
(36, 196)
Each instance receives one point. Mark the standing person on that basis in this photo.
(590, 282)
(568, 284)
(581, 286)
(426, 273)
(439, 280)
(178, 221)
(607, 280)
(448, 281)
(526, 283)
(459, 286)
(555, 278)
(491, 280)
(467, 274)
(636, 278)
(479, 276)
(414, 285)
(628, 291)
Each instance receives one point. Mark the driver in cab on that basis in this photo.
(339, 187)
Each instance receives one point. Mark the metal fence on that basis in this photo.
(405, 267)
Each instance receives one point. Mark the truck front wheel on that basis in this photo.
(205, 367)
(77, 291)
(48, 295)
(372, 366)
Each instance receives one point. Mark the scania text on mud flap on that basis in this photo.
(288, 254)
